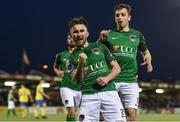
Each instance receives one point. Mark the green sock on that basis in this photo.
(14, 113)
(70, 118)
(8, 112)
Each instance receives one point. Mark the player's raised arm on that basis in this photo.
(56, 67)
(103, 35)
(77, 74)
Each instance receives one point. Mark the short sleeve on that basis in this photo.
(142, 44)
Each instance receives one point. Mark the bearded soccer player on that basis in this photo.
(124, 43)
(69, 90)
(93, 66)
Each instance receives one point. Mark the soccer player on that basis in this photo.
(11, 101)
(69, 90)
(24, 96)
(93, 66)
(124, 42)
(40, 103)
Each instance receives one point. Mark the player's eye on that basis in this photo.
(75, 31)
(123, 14)
(82, 30)
(117, 15)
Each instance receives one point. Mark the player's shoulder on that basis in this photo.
(138, 32)
(95, 44)
(20, 89)
(62, 52)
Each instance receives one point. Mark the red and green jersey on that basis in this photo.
(124, 47)
(62, 59)
(96, 65)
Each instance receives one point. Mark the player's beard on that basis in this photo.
(72, 45)
(80, 42)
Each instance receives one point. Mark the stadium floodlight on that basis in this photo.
(9, 83)
(45, 85)
(159, 91)
(140, 89)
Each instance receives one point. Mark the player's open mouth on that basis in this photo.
(79, 40)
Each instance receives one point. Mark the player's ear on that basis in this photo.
(87, 34)
(129, 18)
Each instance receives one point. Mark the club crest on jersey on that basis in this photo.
(96, 51)
(132, 38)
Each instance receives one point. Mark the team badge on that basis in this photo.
(96, 51)
(81, 117)
(132, 38)
(66, 102)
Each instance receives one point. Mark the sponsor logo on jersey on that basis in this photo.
(132, 38)
(115, 48)
(70, 67)
(113, 38)
(96, 51)
(97, 66)
(127, 49)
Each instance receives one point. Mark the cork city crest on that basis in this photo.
(132, 38)
(96, 51)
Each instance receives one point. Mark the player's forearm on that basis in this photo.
(101, 39)
(79, 77)
(55, 68)
(114, 72)
(45, 95)
(147, 55)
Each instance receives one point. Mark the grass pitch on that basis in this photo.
(62, 117)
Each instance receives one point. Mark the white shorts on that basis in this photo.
(129, 94)
(11, 105)
(70, 98)
(108, 103)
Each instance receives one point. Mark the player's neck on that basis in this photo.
(83, 46)
(70, 49)
(123, 29)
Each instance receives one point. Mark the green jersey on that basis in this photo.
(124, 47)
(11, 95)
(62, 59)
(96, 65)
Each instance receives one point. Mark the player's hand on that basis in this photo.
(32, 101)
(60, 73)
(48, 97)
(102, 81)
(103, 35)
(147, 62)
(149, 67)
(82, 58)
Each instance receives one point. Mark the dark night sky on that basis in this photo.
(40, 26)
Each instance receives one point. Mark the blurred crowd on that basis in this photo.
(149, 101)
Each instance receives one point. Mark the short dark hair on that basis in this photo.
(77, 20)
(121, 6)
